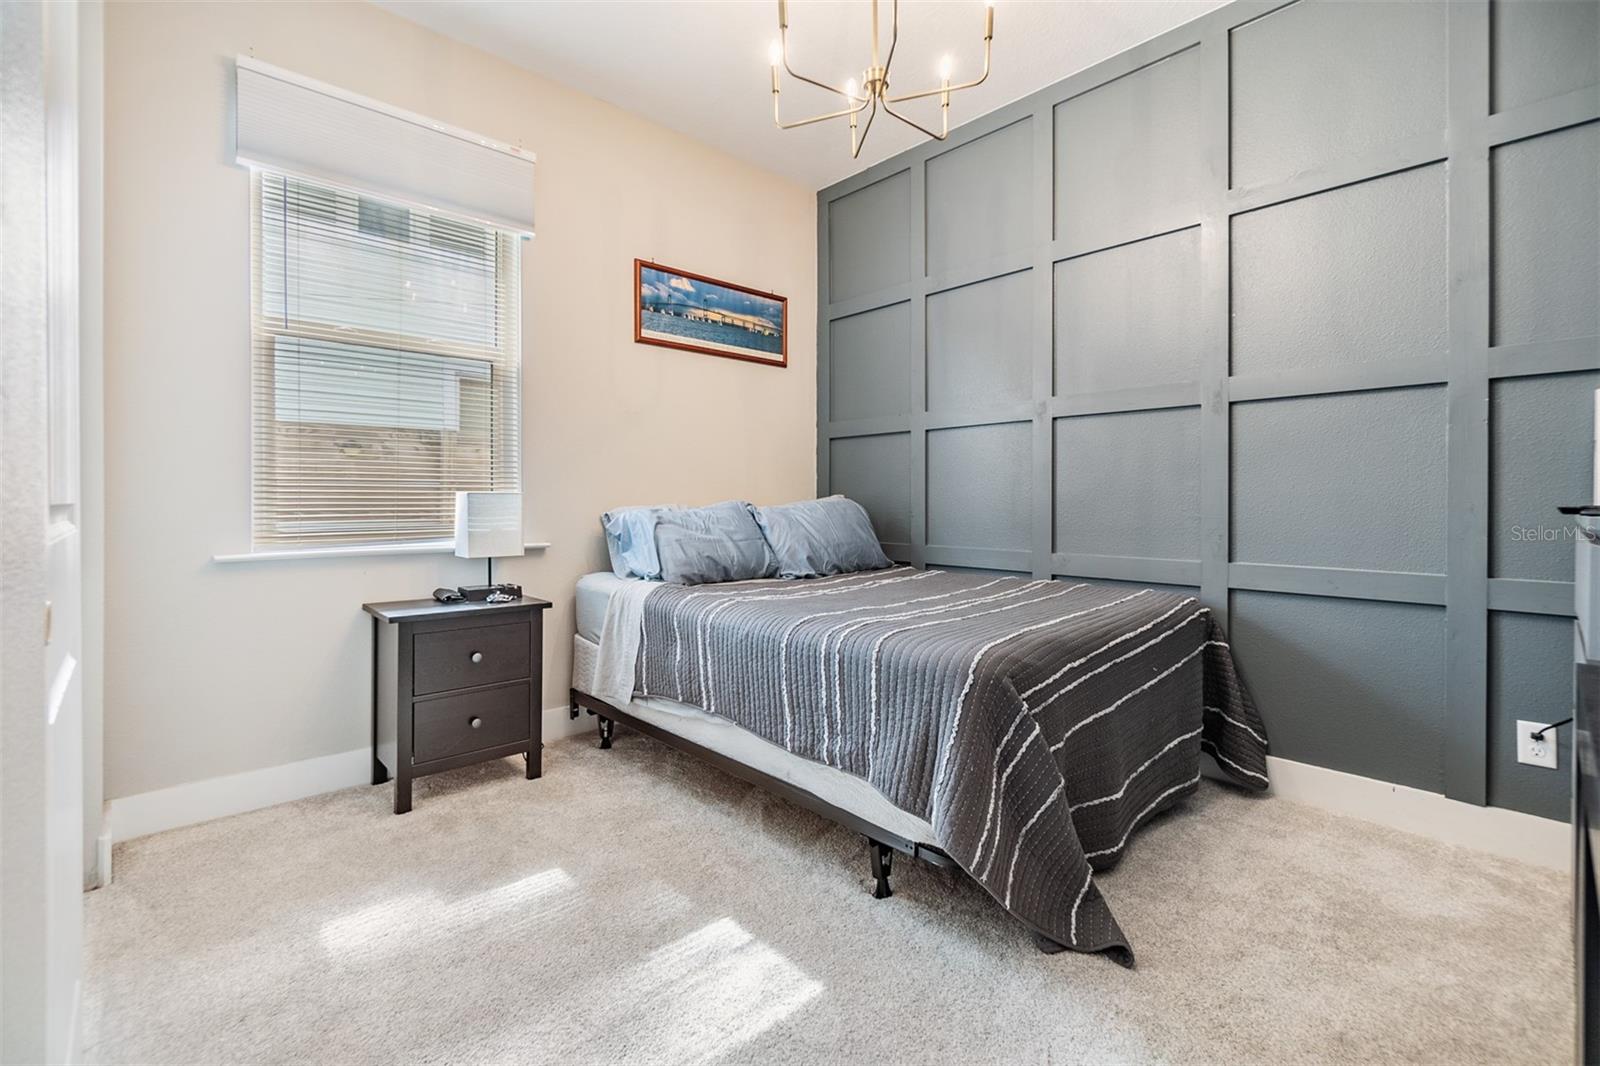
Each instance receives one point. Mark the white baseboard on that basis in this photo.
(558, 723)
(1510, 834)
(201, 801)
(218, 797)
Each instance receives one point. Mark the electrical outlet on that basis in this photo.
(1536, 752)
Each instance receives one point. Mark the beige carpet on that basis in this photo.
(636, 906)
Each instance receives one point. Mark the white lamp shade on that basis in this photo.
(488, 524)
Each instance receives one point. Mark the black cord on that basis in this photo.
(1553, 725)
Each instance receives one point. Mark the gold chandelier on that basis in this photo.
(873, 92)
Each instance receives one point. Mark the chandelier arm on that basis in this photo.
(913, 124)
(818, 118)
(812, 81)
(951, 89)
(855, 151)
(783, 47)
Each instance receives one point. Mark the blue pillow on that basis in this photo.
(717, 543)
(815, 538)
(631, 540)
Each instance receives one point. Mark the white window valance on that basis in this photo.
(291, 124)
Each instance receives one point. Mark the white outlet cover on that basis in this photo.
(1536, 752)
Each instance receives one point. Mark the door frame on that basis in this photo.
(41, 727)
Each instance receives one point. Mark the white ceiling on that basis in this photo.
(700, 66)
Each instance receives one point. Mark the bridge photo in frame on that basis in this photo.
(678, 309)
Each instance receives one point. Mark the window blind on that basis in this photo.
(386, 358)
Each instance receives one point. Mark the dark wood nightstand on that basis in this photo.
(454, 684)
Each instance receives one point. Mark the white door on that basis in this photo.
(41, 725)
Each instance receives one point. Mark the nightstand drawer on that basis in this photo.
(461, 658)
(471, 721)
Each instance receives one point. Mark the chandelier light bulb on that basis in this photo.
(946, 65)
(850, 88)
(774, 53)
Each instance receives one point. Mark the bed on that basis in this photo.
(1019, 729)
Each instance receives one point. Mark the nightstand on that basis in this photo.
(453, 684)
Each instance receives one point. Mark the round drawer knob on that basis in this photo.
(476, 723)
(477, 656)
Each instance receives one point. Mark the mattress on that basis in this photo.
(594, 592)
(829, 784)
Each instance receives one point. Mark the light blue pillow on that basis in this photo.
(631, 540)
(815, 538)
(717, 543)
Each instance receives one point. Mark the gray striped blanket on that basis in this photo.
(1034, 724)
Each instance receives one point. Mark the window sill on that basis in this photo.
(350, 551)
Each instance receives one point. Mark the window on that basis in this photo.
(386, 346)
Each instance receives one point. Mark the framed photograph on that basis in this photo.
(679, 309)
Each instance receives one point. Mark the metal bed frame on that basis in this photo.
(881, 843)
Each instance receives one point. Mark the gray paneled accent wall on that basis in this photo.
(1297, 305)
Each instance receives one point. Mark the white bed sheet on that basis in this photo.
(829, 784)
(594, 593)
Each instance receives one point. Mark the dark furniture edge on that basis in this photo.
(468, 758)
(414, 610)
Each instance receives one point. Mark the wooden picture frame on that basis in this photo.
(676, 308)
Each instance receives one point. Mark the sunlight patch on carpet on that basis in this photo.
(402, 923)
(709, 992)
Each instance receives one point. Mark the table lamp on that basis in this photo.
(488, 524)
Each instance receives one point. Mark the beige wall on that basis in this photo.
(214, 668)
